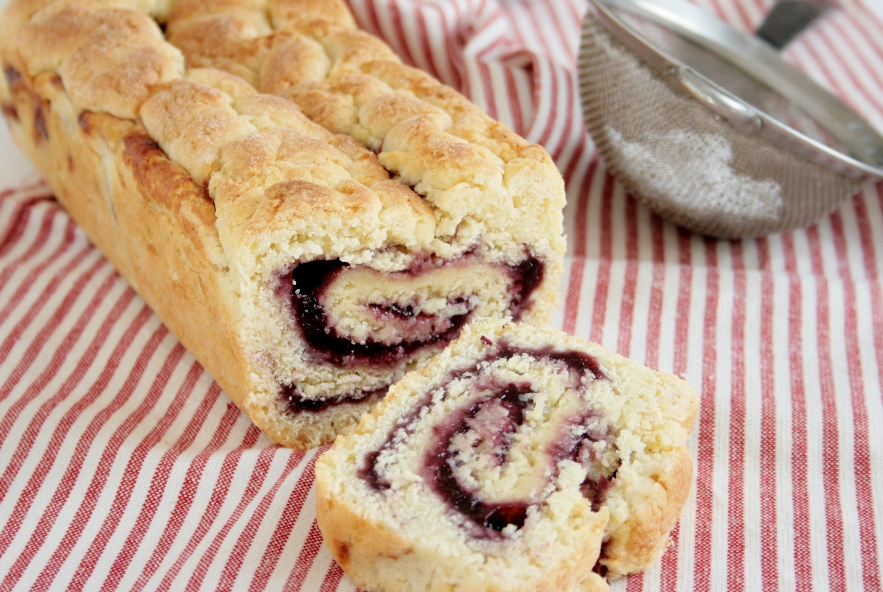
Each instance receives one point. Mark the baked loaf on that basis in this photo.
(309, 216)
(520, 458)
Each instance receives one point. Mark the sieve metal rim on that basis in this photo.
(759, 60)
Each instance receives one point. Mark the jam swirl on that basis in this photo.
(486, 428)
(310, 281)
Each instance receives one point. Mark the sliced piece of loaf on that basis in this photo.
(520, 458)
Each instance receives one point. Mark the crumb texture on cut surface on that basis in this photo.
(519, 458)
(338, 216)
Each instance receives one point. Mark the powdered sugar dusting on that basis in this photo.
(692, 172)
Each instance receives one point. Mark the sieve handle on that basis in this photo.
(789, 18)
(737, 111)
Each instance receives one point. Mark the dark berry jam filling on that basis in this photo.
(308, 283)
(440, 461)
(491, 420)
(527, 276)
(13, 76)
(295, 402)
(577, 443)
(310, 280)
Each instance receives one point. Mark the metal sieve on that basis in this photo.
(710, 127)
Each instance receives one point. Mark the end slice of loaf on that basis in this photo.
(519, 458)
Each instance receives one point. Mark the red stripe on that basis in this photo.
(254, 484)
(747, 22)
(844, 70)
(465, 82)
(481, 60)
(762, 6)
(125, 488)
(17, 193)
(373, 23)
(39, 302)
(855, 43)
(830, 431)
(513, 98)
(568, 134)
(159, 483)
(29, 257)
(720, 11)
(332, 578)
(869, 258)
(293, 510)
(539, 13)
(579, 163)
(547, 95)
(769, 526)
(706, 435)
(579, 153)
(862, 450)
(305, 559)
(18, 220)
(871, 31)
(635, 582)
(453, 57)
(563, 86)
(26, 442)
(426, 40)
(577, 265)
(669, 578)
(401, 39)
(629, 292)
(101, 471)
(244, 541)
(685, 294)
(799, 436)
(736, 454)
(569, 23)
(868, 13)
(563, 38)
(602, 281)
(657, 292)
(44, 467)
(186, 497)
(220, 490)
(554, 124)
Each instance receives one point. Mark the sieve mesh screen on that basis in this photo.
(732, 78)
(686, 162)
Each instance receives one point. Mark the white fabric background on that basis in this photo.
(123, 466)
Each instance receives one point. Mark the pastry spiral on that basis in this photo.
(518, 459)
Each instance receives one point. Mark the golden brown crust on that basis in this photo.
(655, 504)
(107, 58)
(193, 297)
(149, 218)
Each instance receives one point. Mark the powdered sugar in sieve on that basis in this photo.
(705, 181)
(710, 128)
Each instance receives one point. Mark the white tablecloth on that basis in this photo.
(123, 465)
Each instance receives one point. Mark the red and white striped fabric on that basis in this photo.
(123, 465)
